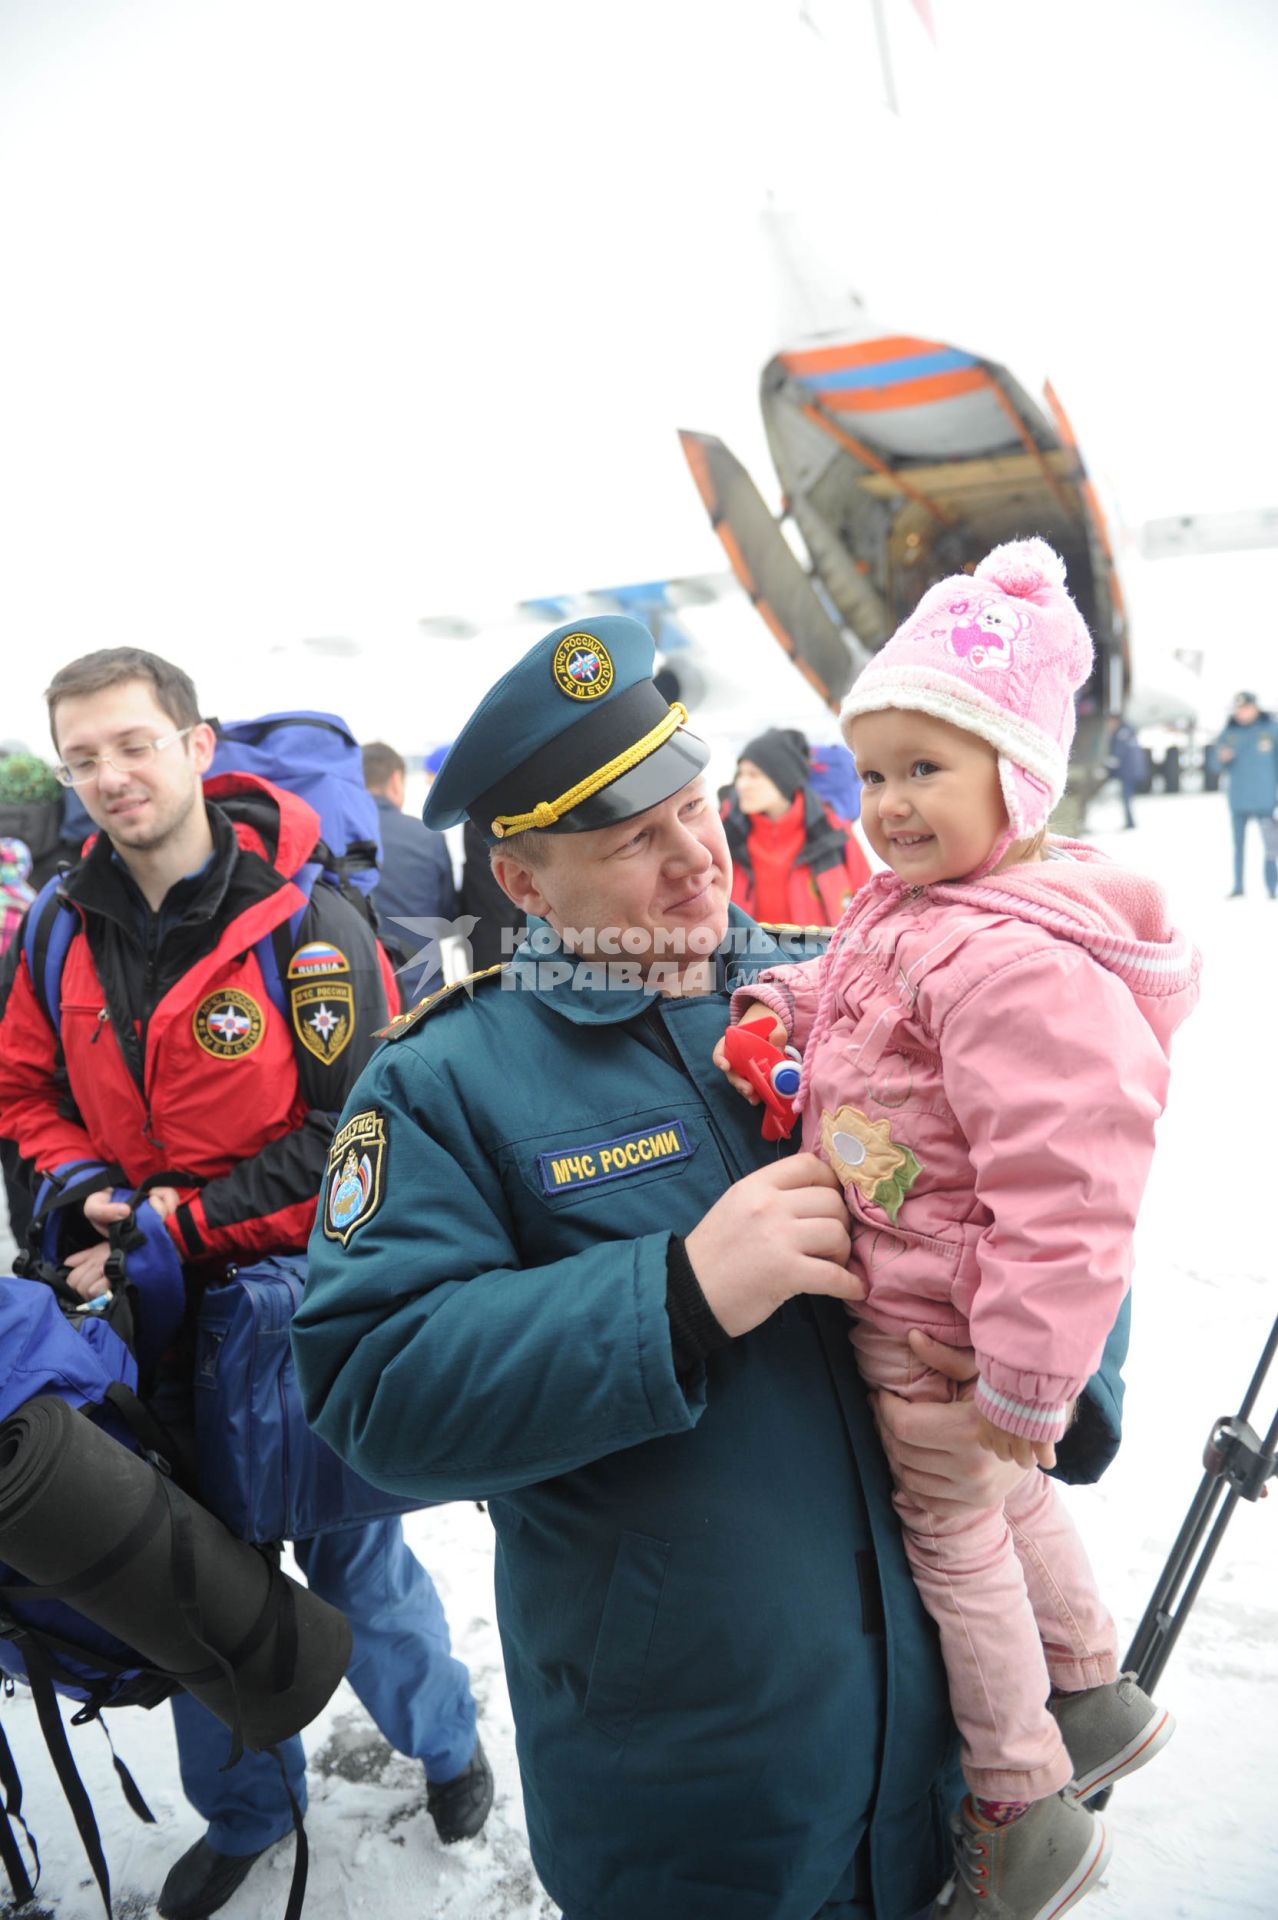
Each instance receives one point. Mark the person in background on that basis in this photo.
(16, 892)
(1125, 760)
(33, 808)
(416, 878)
(499, 924)
(794, 861)
(1247, 750)
(179, 885)
(16, 895)
(416, 894)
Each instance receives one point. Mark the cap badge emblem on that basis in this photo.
(582, 667)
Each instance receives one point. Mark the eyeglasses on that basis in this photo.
(84, 769)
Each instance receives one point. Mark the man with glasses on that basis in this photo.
(167, 1056)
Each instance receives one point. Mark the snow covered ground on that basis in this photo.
(1195, 1837)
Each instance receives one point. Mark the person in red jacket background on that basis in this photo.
(169, 1060)
(793, 859)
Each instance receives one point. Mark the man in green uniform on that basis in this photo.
(556, 1266)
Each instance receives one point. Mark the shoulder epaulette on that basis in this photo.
(405, 1022)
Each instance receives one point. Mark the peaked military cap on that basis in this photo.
(576, 736)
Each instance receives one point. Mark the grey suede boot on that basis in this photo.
(1110, 1731)
(1034, 1868)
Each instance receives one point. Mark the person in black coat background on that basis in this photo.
(416, 878)
(499, 924)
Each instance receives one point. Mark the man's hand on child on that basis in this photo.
(1013, 1446)
(932, 1446)
(776, 1037)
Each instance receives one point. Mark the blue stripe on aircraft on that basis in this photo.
(887, 373)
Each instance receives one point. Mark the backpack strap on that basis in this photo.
(20, 1881)
(128, 1785)
(118, 1684)
(155, 1442)
(51, 927)
(276, 948)
(55, 1738)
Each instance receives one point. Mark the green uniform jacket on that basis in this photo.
(720, 1670)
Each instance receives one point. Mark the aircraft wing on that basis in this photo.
(768, 570)
(1186, 533)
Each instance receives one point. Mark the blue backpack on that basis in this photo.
(314, 755)
(832, 771)
(54, 1343)
(317, 757)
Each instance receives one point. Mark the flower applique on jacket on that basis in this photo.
(864, 1155)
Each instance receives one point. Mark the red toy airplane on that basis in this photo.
(773, 1074)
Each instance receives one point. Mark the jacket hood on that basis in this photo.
(1119, 917)
(267, 819)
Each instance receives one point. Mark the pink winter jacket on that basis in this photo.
(984, 1063)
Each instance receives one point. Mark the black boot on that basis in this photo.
(202, 1881)
(459, 1807)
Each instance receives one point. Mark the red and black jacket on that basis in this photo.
(828, 865)
(173, 1057)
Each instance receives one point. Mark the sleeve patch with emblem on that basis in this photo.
(323, 1016)
(355, 1176)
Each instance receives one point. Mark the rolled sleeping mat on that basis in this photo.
(104, 1531)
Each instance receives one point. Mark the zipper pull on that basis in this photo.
(97, 1031)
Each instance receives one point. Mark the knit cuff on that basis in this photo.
(694, 1331)
(1028, 1418)
(777, 1000)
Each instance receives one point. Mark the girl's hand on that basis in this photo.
(1011, 1446)
(775, 1036)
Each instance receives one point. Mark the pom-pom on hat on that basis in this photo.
(1001, 654)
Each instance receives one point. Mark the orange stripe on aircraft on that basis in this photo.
(858, 353)
(694, 454)
(736, 559)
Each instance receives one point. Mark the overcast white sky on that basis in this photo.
(321, 317)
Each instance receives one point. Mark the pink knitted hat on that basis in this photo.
(999, 653)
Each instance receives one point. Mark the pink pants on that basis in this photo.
(1013, 1597)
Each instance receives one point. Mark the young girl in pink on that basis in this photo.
(984, 1059)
